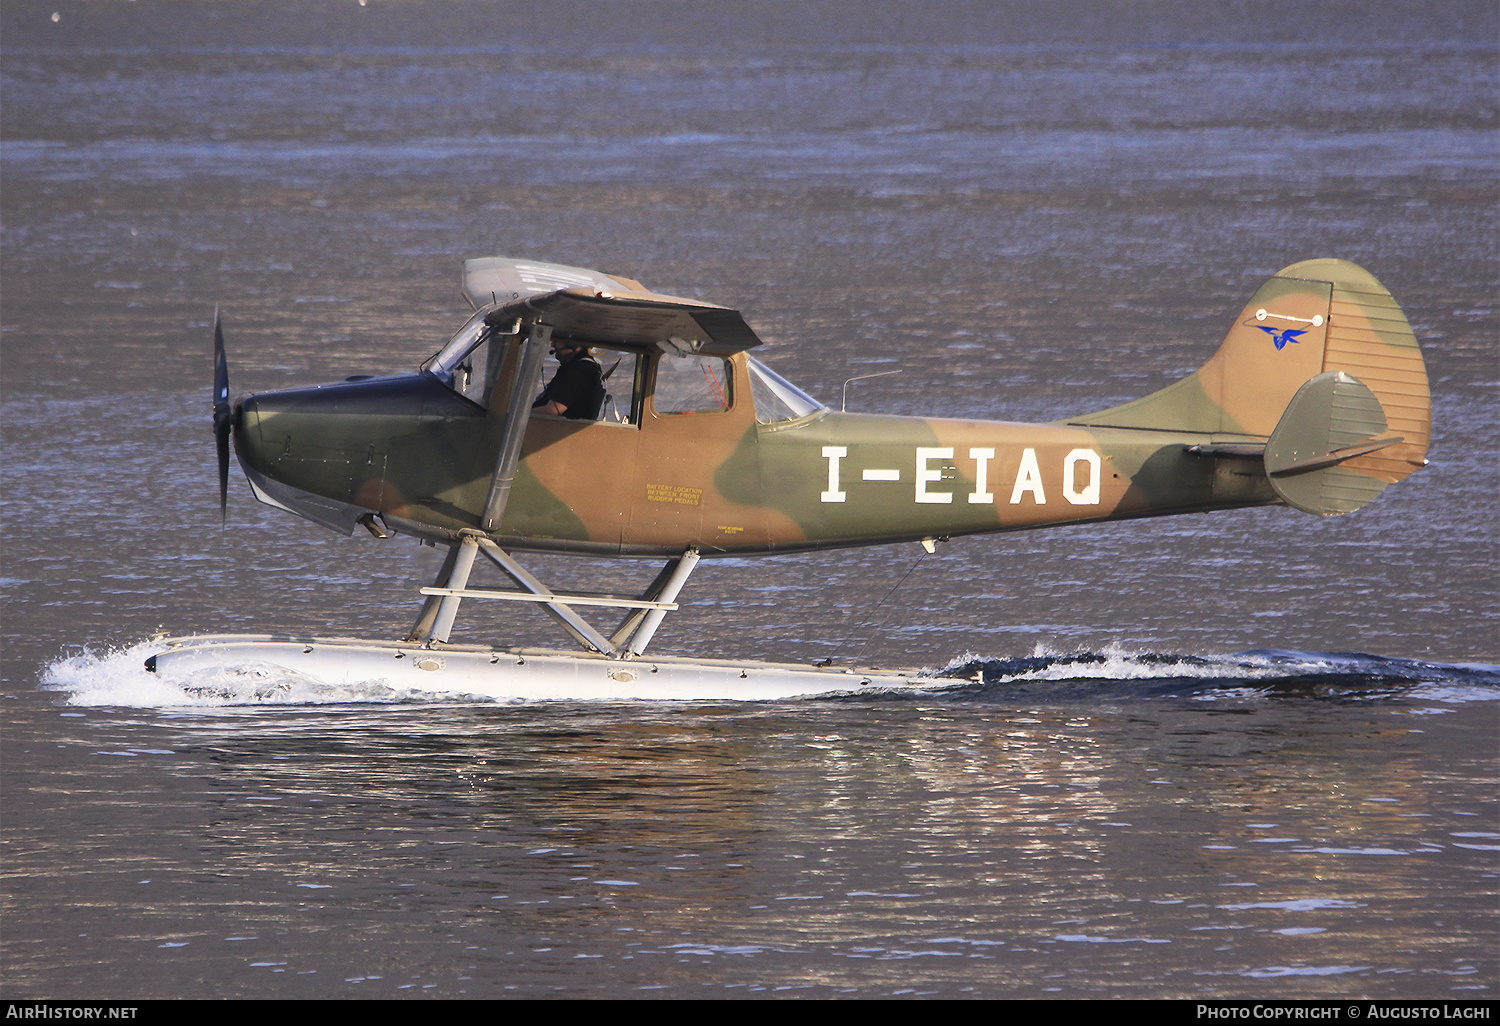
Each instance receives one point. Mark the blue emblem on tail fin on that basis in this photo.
(1281, 338)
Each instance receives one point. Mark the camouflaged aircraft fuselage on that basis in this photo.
(1317, 398)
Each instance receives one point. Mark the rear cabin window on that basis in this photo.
(691, 384)
(776, 398)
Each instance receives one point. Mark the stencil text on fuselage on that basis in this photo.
(1080, 476)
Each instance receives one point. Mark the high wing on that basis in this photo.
(592, 308)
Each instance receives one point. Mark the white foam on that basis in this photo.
(119, 678)
(1116, 663)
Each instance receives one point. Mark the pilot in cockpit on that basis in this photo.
(576, 391)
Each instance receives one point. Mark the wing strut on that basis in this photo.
(533, 352)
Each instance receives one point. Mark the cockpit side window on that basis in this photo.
(692, 384)
(480, 363)
(622, 391)
(620, 370)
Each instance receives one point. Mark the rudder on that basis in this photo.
(1369, 339)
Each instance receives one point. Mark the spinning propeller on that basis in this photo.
(223, 415)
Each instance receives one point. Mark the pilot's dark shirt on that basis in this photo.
(578, 385)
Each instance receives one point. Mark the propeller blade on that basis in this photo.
(223, 415)
(221, 369)
(222, 440)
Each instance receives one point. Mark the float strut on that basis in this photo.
(421, 631)
(666, 586)
(463, 565)
(574, 624)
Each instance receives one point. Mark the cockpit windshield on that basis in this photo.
(449, 358)
(776, 398)
(470, 362)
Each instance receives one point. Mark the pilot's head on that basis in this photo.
(565, 350)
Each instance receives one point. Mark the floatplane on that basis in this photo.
(659, 435)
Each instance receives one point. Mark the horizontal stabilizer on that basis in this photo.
(1336, 456)
(1234, 450)
(1333, 418)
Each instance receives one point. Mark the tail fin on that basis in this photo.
(1319, 319)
